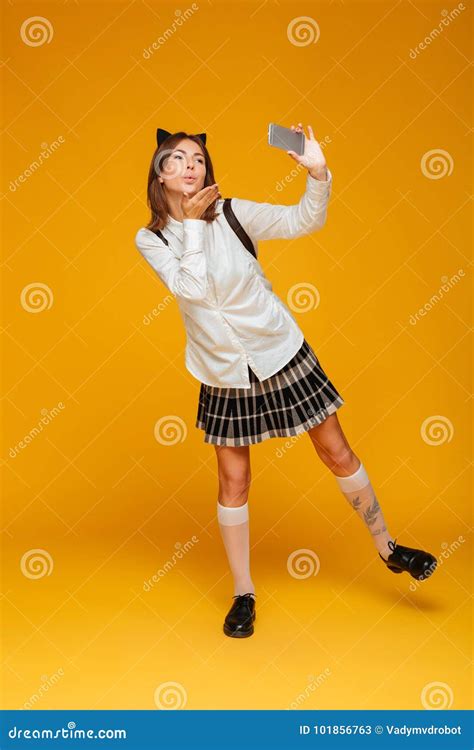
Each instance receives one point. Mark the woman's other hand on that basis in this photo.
(193, 208)
(313, 157)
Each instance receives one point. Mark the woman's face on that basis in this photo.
(184, 169)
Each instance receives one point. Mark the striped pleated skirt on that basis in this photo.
(291, 401)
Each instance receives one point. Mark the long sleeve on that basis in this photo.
(266, 221)
(186, 276)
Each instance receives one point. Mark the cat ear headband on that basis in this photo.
(162, 134)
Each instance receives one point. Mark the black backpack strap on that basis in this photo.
(237, 227)
(160, 235)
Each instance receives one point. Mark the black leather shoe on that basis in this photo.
(416, 562)
(240, 617)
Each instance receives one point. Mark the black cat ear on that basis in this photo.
(161, 135)
(202, 136)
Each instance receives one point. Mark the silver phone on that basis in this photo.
(286, 138)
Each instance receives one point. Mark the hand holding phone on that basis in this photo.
(305, 151)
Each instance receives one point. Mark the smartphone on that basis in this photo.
(286, 138)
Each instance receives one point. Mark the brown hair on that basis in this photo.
(156, 196)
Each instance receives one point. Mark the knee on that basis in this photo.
(234, 487)
(341, 460)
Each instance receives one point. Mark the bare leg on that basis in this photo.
(332, 446)
(233, 467)
(232, 512)
(334, 450)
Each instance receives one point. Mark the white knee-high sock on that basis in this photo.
(359, 492)
(234, 527)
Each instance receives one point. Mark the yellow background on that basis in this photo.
(109, 503)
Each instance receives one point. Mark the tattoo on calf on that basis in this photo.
(370, 515)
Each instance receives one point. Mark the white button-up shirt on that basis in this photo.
(231, 315)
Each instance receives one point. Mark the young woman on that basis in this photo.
(259, 376)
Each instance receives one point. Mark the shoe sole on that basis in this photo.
(238, 633)
(423, 576)
(394, 570)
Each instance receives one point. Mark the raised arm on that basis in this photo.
(268, 221)
(186, 276)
